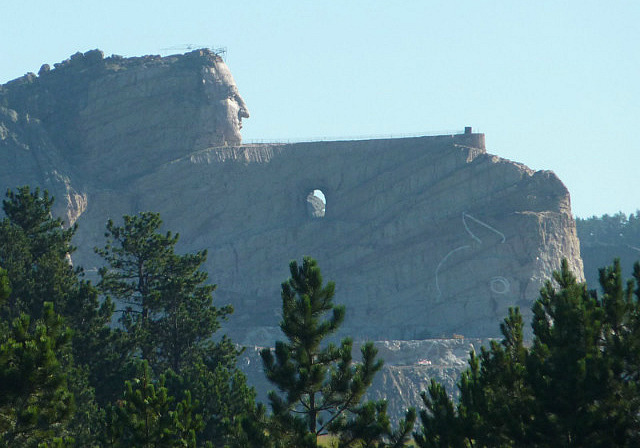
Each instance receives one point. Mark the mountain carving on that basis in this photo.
(427, 237)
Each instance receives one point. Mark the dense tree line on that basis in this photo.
(575, 385)
(136, 361)
(130, 362)
(617, 229)
(603, 238)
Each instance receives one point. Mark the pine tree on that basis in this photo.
(620, 410)
(495, 399)
(495, 404)
(189, 318)
(136, 257)
(577, 385)
(565, 363)
(320, 385)
(35, 250)
(370, 427)
(35, 401)
(441, 426)
(225, 400)
(4, 286)
(147, 416)
(169, 320)
(168, 312)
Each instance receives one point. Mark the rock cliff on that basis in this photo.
(425, 237)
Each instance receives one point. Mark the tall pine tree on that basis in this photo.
(168, 315)
(565, 364)
(35, 249)
(320, 385)
(167, 308)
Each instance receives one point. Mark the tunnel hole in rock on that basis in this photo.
(316, 203)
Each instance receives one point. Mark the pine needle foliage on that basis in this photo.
(318, 384)
(165, 303)
(576, 385)
(35, 401)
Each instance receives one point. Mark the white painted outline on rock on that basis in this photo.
(442, 262)
(499, 280)
(465, 215)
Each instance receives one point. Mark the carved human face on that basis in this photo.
(221, 88)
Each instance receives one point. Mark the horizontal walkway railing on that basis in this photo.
(352, 137)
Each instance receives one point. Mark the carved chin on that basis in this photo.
(230, 123)
(231, 132)
(236, 125)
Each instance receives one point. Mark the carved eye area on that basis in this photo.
(499, 285)
(232, 92)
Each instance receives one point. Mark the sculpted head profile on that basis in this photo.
(228, 107)
(150, 108)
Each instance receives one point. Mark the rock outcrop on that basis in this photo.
(425, 237)
(408, 369)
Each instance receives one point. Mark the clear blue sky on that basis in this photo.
(553, 84)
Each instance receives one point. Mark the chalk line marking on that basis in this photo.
(442, 262)
(465, 215)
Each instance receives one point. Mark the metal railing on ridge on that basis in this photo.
(351, 137)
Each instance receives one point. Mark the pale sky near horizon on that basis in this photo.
(552, 84)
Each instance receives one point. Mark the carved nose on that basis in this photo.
(243, 113)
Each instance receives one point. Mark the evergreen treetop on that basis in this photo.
(168, 309)
(35, 401)
(320, 385)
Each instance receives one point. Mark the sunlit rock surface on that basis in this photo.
(426, 237)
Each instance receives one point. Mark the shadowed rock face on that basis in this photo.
(424, 237)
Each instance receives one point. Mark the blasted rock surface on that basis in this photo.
(424, 237)
(112, 119)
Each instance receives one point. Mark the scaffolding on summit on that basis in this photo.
(184, 48)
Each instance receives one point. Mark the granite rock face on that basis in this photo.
(425, 237)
